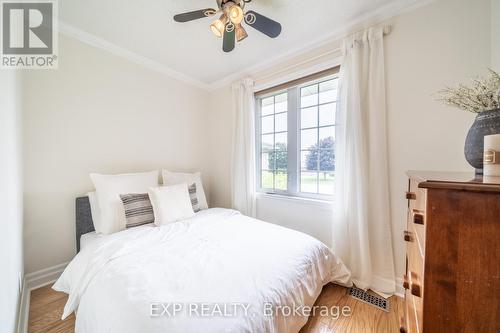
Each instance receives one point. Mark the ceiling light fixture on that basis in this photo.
(218, 26)
(240, 33)
(235, 14)
(229, 25)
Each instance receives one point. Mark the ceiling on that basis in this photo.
(146, 28)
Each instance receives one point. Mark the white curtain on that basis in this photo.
(362, 227)
(243, 159)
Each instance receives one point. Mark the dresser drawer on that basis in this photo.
(411, 324)
(417, 201)
(415, 220)
(416, 196)
(415, 265)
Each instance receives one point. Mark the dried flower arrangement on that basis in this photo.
(483, 95)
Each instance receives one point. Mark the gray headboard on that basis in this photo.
(84, 222)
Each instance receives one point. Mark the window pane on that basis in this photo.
(267, 142)
(309, 138)
(309, 160)
(280, 158)
(309, 182)
(281, 122)
(309, 117)
(326, 160)
(328, 91)
(267, 124)
(326, 183)
(309, 96)
(267, 106)
(329, 85)
(327, 114)
(326, 137)
(281, 180)
(267, 179)
(281, 103)
(328, 96)
(281, 98)
(281, 141)
(266, 162)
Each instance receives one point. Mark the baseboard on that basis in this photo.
(24, 309)
(32, 281)
(44, 276)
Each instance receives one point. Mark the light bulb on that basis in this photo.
(240, 33)
(236, 14)
(218, 28)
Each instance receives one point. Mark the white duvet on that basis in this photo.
(230, 265)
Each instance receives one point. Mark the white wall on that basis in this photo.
(11, 223)
(495, 35)
(443, 43)
(308, 216)
(98, 113)
(220, 125)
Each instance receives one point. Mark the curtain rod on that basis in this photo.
(338, 50)
(296, 82)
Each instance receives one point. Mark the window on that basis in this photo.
(274, 139)
(296, 135)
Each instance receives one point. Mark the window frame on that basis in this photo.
(293, 136)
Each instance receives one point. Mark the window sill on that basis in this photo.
(295, 199)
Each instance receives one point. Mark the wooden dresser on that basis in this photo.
(452, 281)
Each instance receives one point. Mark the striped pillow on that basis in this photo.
(194, 198)
(138, 209)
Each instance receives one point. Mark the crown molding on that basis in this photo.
(100, 43)
(378, 16)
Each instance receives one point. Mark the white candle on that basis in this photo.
(492, 155)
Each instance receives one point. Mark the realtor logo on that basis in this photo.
(29, 38)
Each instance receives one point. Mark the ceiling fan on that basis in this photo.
(229, 25)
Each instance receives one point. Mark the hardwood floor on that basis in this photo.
(364, 318)
(47, 305)
(46, 309)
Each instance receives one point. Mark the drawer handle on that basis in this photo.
(402, 325)
(415, 289)
(406, 284)
(418, 218)
(408, 236)
(411, 196)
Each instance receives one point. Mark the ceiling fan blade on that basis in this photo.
(263, 24)
(197, 14)
(229, 38)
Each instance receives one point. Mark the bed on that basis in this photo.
(219, 271)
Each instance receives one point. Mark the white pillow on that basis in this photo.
(109, 188)
(94, 210)
(174, 178)
(171, 203)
